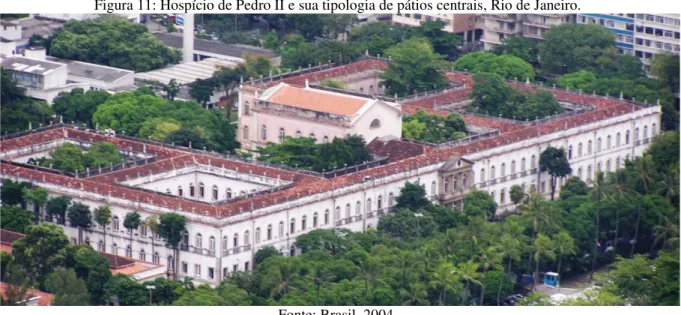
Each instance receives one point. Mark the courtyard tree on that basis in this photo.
(414, 68)
(38, 197)
(554, 162)
(171, 227)
(479, 203)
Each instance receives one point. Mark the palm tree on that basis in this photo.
(132, 222)
(510, 248)
(152, 223)
(541, 214)
(668, 186)
(542, 247)
(489, 258)
(284, 271)
(598, 191)
(430, 254)
(643, 174)
(404, 262)
(618, 190)
(318, 275)
(668, 231)
(416, 295)
(444, 279)
(368, 269)
(564, 245)
(103, 218)
(38, 197)
(468, 273)
(188, 283)
(449, 241)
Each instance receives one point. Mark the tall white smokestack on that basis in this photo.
(188, 38)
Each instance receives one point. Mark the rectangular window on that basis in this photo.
(197, 270)
(246, 266)
(185, 267)
(211, 273)
(235, 268)
(225, 272)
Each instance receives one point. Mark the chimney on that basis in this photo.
(188, 38)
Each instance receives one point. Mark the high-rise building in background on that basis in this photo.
(497, 27)
(643, 35)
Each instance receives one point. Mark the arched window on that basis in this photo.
(579, 150)
(298, 134)
(235, 240)
(513, 167)
(171, 262)
(315, 220)
(502, 196)
(607, 165)
(375, 124)
(215, 192)
(368, 207)
(617, 163)
(608, 143)
(115, 223)
(247, 237)
(326, 139)
(201, 190)
(588, 172)
(263, 133)
(492, 173)
(100, 246)
(313, 137)
(588, 148)
(245, 135)
(533, 162)
(618, 140)
(143, 255)
(391, 200)
(281, 228)
(358, 207)
(599, 146)
(241, 193)
(502, 171)
(211, 243)
(179, 191)
(292, 252)
(522, 165)
(464, 181)
(371, 90)
(482, 175)
(598, 167)
(492, 195)
(282, 134)
(653, 130)
(636, 134)
(228, 193)
(645, 132)
(347, 211)
(433, 188)
(157, 258)
(292, 227)
(191, 189)
(361, 90)
(379, 202)
(257, 235)
(128, 251)
(198, 242)
(326, 217)
(114, 249)
(570, 152)
(185, 238)
(269, 232)
(579, 173)
(303, 223)
(246, 108)
(626, 138)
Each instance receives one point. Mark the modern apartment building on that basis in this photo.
(496, 27)
(643, 35)
(463, 24)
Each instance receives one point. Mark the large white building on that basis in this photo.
(642, 35)
(235, 207)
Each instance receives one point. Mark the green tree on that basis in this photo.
(171, 226)
(444, 280)
(80, 217)
(228, 79)
(57, 206)
(14, 218)
(573, 186)
(414, 68)
(125, 112)
(468, 273)
(506, 66)
(67, 288)
(414, 294)
(479, 203)
(266, 252)
(186, 137)
(203, 296)
(555, 163)
(131, 222)
(564, 247)
(159, 128)
(570, 47)
(114, 42)
(102, 154)
(576, 80)
(16, 286)
(332, 156)
(40, 251)
(491, 95)
(444, 43)
(598, 192)
(78, 105)
(517, 194)
(412, 196)
(19, 112)
(489, 258)
(11, 192)
(201, 90)
(102, 216)
(93, 268)
(498, 284)
(543, 247)
(518, 46)
(128, 290)
(332, 83)
(666, 68)
(38, 197)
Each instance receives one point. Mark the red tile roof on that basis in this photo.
(45, 298)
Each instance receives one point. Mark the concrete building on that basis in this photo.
(97, 77)
(234, 207)
(497, 27)
(42, 79)
(642, 35)
(16, 34)
(212, 49)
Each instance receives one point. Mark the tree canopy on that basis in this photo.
(414, 68)
(572, 47)
(507, 66)
(433, 128)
